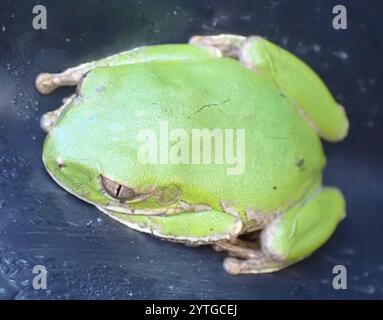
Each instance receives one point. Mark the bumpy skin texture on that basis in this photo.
(194, 87)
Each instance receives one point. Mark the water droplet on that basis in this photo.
(341, 54)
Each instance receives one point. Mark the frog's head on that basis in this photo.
(96, 182)
(96, 160)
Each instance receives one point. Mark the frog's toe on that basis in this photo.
(253, 266)
(45, 83)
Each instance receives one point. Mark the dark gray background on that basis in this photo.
(90, 256)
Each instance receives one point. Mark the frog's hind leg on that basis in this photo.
(290, 237)
(296, 80)
(248, 257)
(299, 83)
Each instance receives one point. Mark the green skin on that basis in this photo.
(279, 200)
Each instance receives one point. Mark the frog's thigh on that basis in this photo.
(47, 82)
(299, 83)
(292, 236)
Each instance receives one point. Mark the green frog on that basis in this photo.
(214, 142)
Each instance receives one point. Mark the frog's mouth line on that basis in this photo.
(182, 207)
(147, 212)
(192, 241)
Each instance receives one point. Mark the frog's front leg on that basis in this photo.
(47, 82)
(290, 237)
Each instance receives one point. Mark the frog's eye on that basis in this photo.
(116, 190)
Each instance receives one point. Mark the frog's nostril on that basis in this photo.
(60, 163)
(116, 190)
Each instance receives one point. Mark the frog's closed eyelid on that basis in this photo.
(116, 190)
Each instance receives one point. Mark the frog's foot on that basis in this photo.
(47, 82)
(290, 237)
(49, 119)
(243, 247)
(247, 259)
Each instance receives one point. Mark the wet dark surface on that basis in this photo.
(88, 255)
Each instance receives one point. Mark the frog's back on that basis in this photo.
(282, 153)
